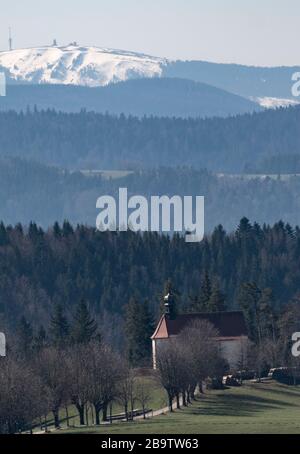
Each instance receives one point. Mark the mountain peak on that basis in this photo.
(78, 65)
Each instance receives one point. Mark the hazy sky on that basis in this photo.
(261, 32)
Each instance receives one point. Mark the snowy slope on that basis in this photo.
(75, 65)
(273, 103)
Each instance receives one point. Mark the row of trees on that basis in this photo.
(62, 332)
(81, 375)
(92, 377)
(69, 365)
(186, 361)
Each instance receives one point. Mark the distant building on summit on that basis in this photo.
(231, 328)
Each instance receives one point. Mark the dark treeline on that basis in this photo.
(65, 265)
(94, 140)
(29, 190)
(276, 164)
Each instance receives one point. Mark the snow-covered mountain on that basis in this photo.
(75, 65)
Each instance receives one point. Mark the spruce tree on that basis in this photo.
(59, 327)
(40, 340)
(84, 327)
(267, 314)
(138, 330)
(201, 303)
(67, 229)
(248, 299)
(24, 337)
(56, 230)
(3, 235)
(216, 301)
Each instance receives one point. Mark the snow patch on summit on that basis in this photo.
(75, 65)
(274, 103)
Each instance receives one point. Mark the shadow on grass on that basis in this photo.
(50, 422)
(283, 390)
(236, 405)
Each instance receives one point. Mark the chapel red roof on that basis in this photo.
(228, 324)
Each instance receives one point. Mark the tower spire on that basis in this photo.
(169, 304)
(9, 38)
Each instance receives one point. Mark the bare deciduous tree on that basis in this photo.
(51, 366)
(184, 362)
(20, 397)
(126, 393)
(143, 396)
(103, 377)
(77, 363)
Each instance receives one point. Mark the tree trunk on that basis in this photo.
(110, 413)
(97, 415)
(56, 418)
(92, 414)
(188, 397)
(170, 403)
(193, 393)
(132, 408)
(184, 399)
(104, 416)
(45, 421)
(177, 401)
(87, 414)
(80, 409)
(126, 411)
(67, 416)
(201, 387)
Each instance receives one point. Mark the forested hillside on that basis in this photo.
(97, 141)
(161, 97)
(62, 265)
(248, 81)
(31, 191)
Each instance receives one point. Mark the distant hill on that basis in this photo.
(247, 81)
(264, 142)
(31, 191)
(152, 96)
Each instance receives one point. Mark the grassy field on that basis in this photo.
(252, 409)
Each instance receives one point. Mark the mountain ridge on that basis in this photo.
(148, 96)
(98, 66)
